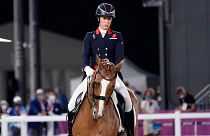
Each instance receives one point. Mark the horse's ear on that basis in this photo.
(119, 65)
(98, 59)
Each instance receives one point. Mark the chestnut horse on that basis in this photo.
(97, 115)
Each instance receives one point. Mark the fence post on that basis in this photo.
(24, 128)
(177, 123)
(4, 126)
(195, 128)
(50, 129)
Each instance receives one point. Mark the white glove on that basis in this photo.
(89, 71)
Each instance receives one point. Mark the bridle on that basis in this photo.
(103, 77)
(95, 97)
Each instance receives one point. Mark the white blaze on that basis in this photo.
(104, 84)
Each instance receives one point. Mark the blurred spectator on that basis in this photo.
(38, 107)
(54, 107)
(63, 99)
(149, 106)
(4, 107)
(158, 97)
(187, 101)
(138, 95)
(17, 110)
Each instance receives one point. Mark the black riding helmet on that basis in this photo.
(105, 10)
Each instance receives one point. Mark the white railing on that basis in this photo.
(200, 97)
(25, 119)
(201, 92)
(177, 116)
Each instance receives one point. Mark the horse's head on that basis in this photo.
(102, 85)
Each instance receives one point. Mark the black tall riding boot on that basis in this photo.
(70, 121)
(129, 122)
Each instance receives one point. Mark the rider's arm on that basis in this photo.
(192, 108)
(119, 50)
(86, 50)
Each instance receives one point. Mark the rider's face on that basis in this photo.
(105, 22)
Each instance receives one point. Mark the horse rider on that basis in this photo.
(107, 44)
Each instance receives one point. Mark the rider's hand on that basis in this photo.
(88, 70)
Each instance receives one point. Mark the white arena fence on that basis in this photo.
(25, 119)
(177, 117)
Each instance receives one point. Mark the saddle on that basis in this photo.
(75, 111)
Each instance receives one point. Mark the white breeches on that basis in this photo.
(123, 90)
(119, 87)
(82, 88)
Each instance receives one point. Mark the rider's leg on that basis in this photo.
(81, 88)
(123, 90)
(129, 113)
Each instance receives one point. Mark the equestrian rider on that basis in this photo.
(108, 44)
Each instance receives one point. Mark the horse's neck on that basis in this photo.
(86, 124)
(86, 104)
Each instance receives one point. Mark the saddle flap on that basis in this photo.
(121, 101)
(78, 100)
